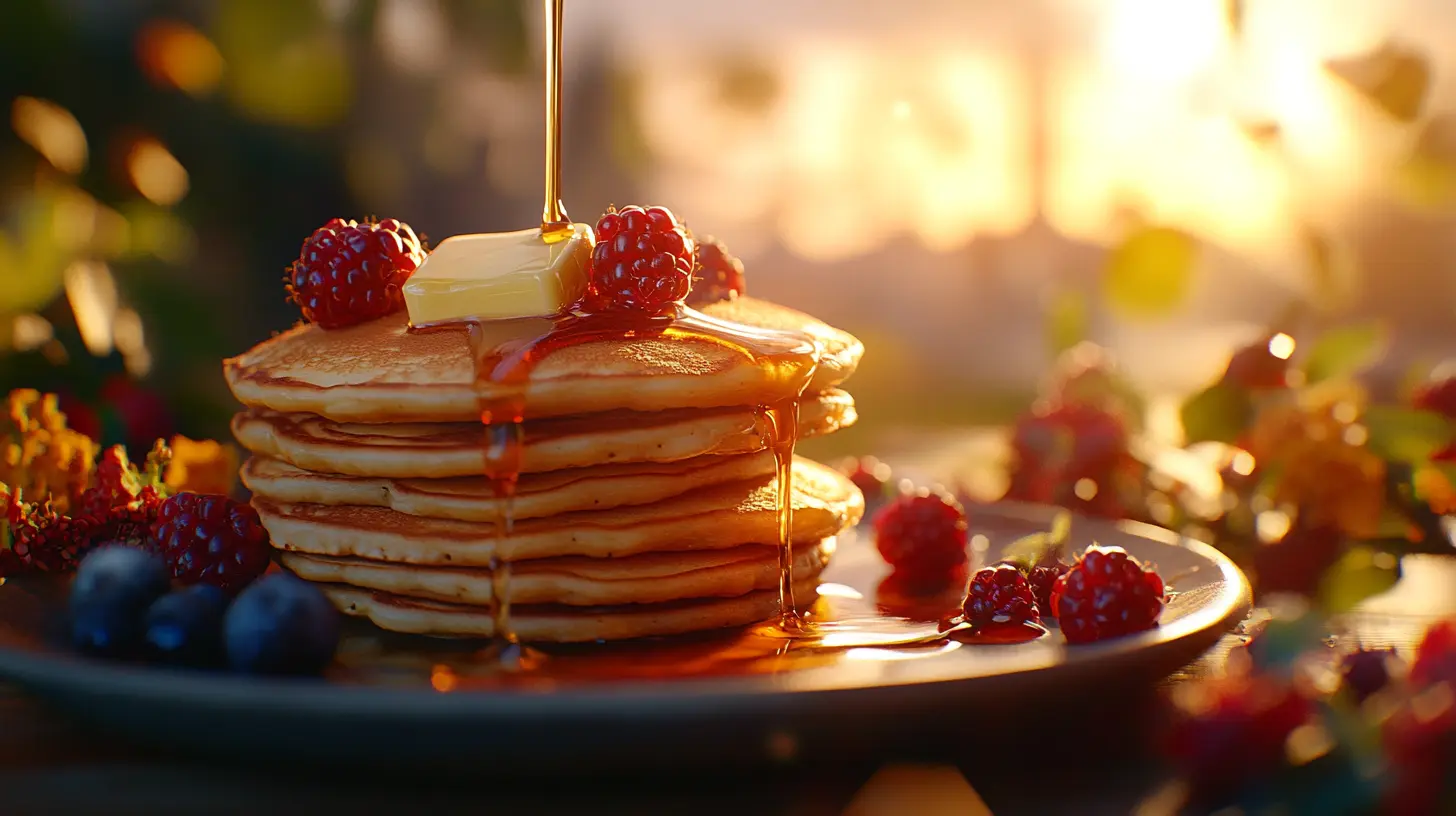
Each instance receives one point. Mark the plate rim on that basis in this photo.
(42, 673)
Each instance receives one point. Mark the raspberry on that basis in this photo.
(643, 262)
(1296, 563)
(933, 597)
(1043, 577)
(1419, 749)
(1257, 369)
(1435, 659)
(922, 535)
(719, 275)
(1001, 594)
(212, 540)
(870, 475)
(350, 273)
(1366, 672)
(1107, 593)
(1438, 396)
(1236, 733)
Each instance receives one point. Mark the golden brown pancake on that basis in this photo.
(538, 495)
(549, 623)
(657, 577)
(716, 517)
(379, 372)
(441, 450)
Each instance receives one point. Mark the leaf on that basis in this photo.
(1219, 413)
(1406, 434)
(1149, 275)
(1361, 573)
(1393, 77)
(1345, 351)
(1029, 550)
(1066, 321)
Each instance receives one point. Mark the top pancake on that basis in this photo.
(380, 372)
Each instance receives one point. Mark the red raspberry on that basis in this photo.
(643, 261)
(1296, 563)
(1438, 396)
(870, 475)
(1257, 369)
(1043, 578)
(1107, 593)
(1435, 659)
(351, 273)
(1001, 594)
(719, 275)
(922, 535)
(1419, 749)
(1236, 733)
(212, 540)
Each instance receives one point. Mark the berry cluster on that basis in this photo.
(349, 273)
(1105, 593)
(719, 275)
(123, 605)
(643, 262)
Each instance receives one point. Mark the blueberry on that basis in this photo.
(184, 627)
(280, 625)
(112, 589)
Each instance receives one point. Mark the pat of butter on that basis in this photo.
(499, 276)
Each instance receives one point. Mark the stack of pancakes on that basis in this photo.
(647, 501)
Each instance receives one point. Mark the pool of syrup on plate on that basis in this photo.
(506, 352)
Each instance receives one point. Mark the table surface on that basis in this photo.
(50, 765)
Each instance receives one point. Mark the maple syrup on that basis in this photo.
(504, 355)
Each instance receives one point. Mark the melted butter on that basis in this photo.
(500, 276)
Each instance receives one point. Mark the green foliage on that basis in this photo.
(1149, 274)
(1361, 573)
(1344, 352)
(1027, 551)
(1219, 413)
(1406, 434)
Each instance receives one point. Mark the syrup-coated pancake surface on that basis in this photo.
(440, 450)
(657, 577)
(471, 498)
(549, 623)
(381, 372)
(715, 517)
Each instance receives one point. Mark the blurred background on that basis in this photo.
(971, 186)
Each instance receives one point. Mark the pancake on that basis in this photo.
(442, 450)
(379, 372)
(711, 518)
(550, 623)
(656, 577)
(471, 498)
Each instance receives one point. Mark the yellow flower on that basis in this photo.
(39, 455)
(204, 466)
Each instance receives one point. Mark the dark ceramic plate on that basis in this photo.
(398, 702)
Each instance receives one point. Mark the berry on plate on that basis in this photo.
(280, 624)
(212, 540)
(1001, 594)
(1043, 578)
(718, 276)
(349, 273)
(924, 535)
(1366, 672)
(1106, 594)
(871, 476)
(643, 261)
(110, 594)
(184, 627)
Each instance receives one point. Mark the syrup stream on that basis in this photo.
(554, 219)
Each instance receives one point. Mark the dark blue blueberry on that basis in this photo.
(110, 594)
(184, 628)
(280, 625)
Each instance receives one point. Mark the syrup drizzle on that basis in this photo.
(506, 352)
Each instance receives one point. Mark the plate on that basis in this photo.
(406, 703)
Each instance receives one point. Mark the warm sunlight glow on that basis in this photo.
(1281, 346)
(92, 294)
(52, 131)
(156, 173)
(177, 55)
